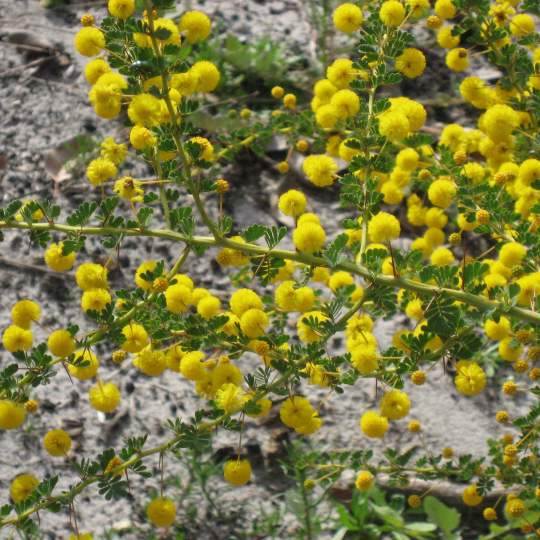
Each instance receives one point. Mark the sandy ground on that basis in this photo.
(40, 108)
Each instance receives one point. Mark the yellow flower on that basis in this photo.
(104, 397)
(394, 125)
(471, 497)
(292, 203)
(383, 227)
(196, 25)
(237, 471)
(89, 41)
(151, 362)
(121, 9)
(244, 299)
(145, 110)
(16, 339)
(392, 13)
(95, 299)
(411, 62)
(445, 9)
(206, 76)
(55, 259)
(320, 169)
(25, 312)
(192, 366)
(522, 25)
(86, 371)
(395, 404)
(457, 59)
(161, 512)
(231, 398)
(57, 442)
(136, 338)
(61, 343)
(22, 487)
(373, 425)
(12, 414)
(470, 378)
(254, 322)
(364, 480)
(347, 18)
(95, 69)
(309, 237)
(446, 39)
(341, 72)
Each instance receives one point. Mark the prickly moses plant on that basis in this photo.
(469, 283)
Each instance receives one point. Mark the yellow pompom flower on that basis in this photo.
(122, 9)
(104, 397)
(25, 312)
(364, 358)
(144, 268)
(347, 18)
(508, 351)
(341, 72)
(56, 261)
(136, 338)
(407, 159)
(292, 203)
(442, 257)
(445, 9)
(95, 69)
(522, 25)
(12, 414)
(514, 508)
(457, 59)
(129, 189)
(395, 404)
(237, 471)
(254, 322)
(441, 192)
(470, 378)
(309, 237)
(206, 76)
(89, 41)
(497, 330)
(142, 138)
(208, 306)
(231, 398)
(113, 151)
(326, 116)
(145, 110)
(364, 480)
(100, 170)
(61, 343)
(57, 442)
(296, 411)
(499, 122)
(95, 300)
(446, 39)
(373, 425)
(91, 276)
(305, 332)
(512, 254)
(383, 227)
(277, 92)
(17, 339)
(161, 512)
(151, 362)
(471, 497)
(392, 13)
(85, 365)
(196, 25)
(244, 299)
(346, 103)
(324, 90)
(178, 298)
(192, 366)
(394, 125)
(320, 170)
(411, 62)
(22, 486)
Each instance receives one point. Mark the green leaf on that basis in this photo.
(253, 232)
(332, 253)
(274, 236)
(446, 518)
